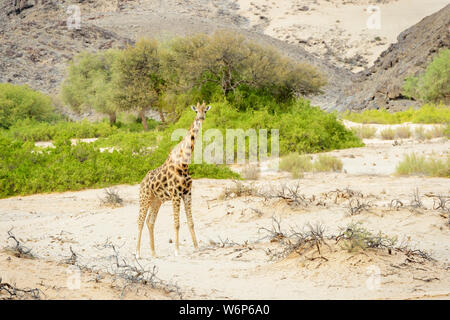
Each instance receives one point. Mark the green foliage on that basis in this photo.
(206, 170)
(434, 85)
(29, 130)
(302, 128)
(138, 78)
(227, 64)
(21, 102)
(413, 164)
(25, 169)
(355, 237)
(88, 84)
(428, 113)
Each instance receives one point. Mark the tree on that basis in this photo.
(138, 80)
(89, 83)
(21, 102)
(434, 85)
(231, 62)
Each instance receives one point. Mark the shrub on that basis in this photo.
(403, 132)
(364, 132)
(327, 163)
(434, 85)
(250, 172)
(416, 164)
(23, 170)
(21, 102)
(296, 164)
(388, 134)
(30, 130)
(230, 62)
(355, 237)
(420, 133)
(428, 113)
(436, 132)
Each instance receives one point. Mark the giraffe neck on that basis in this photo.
(182, 153)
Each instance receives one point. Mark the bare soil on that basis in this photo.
(236, 257)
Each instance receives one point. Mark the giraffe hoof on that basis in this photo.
(177, 253)
(138, 256)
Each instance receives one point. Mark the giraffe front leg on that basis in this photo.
(187, 206)
(176, 219)
(141, 220)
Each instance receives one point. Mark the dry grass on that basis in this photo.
(364, 132)
(250, 172)
(298, 164)
(112, 198)
(436, 132)
(238, 189)
(388, 134)
(327, 163)
(403, 132)
(413, 164)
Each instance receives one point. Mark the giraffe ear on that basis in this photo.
(207, 108)
(193, 108)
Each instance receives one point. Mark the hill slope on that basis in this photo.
(381, 85)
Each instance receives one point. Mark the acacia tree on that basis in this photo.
(231, 61)
(138, 79)
(88, 84)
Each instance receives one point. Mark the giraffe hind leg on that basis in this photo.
(144, 204)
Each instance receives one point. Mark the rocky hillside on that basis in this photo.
(36, 43)
(381, 85)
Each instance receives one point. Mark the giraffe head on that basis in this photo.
(200, 110)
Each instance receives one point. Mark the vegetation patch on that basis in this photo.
(297, 164)
(428, 113)
(413, 164)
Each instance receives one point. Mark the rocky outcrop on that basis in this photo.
(36, 43)
(381, 85)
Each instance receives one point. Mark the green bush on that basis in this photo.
(25, 169)
(434, 85)
(21, 102)
(30, 130)
(428, 113)
(302, 127)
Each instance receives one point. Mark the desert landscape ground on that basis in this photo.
(363, 231)
(239, 254)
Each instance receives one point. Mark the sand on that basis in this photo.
(338, 29)
(234, 259)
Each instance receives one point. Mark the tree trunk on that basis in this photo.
(112, 118)
(161, 115)
(143, 119)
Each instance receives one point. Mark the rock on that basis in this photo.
(409, 56)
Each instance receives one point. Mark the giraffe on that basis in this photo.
(170, 181)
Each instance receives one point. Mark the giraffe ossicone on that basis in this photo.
(170, 182)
